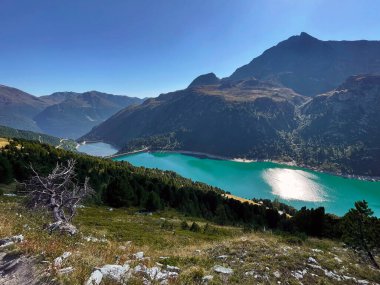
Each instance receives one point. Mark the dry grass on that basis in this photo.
(243, 200)
(3, 142)
(194, 252)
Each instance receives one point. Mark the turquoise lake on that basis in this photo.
(292, 185)
(97, 149)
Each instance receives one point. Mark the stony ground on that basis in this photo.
(117, 246)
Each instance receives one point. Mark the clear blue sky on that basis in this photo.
(143, 48)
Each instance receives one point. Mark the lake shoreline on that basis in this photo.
(243, 160)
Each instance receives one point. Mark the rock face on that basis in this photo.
(346, 119)
(205, 79)
(17, 269)
(311, 66)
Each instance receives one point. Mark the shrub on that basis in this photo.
(195, 227)
(184, 225)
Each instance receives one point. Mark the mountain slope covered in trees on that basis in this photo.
(228, 118)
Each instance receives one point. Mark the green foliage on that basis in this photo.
(195, 227)
(361, 230)
(5, 170)
(167, 225)
(8, 132)
(184, 225)
(118, 193)
(153, 202)
(119, 184)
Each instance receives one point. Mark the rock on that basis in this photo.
(332, 275)
(198, 251)
(115, 272)
(316, 250)
(59, 260)
(94, 239)
(223, 270)
(312, 260)
(66, 254)
(65, 270)
(222, 257)
(363, 282)
(163, 257)
(338, 259)
(11, 240)
(139, 255)
(95, 278)
(110, 209)
(277, 274)
(172, 268)
(250, 273)
(62, 227)
(207, 278)
(299, 274)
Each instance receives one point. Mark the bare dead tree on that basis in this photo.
(59, 193)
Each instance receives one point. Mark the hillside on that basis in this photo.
(208, 118)
(129, 228)
(10, 133)
(310, 66)
(144, 243)
(73, 114)
(61, 114)
(336, 131)
(18, 108)
(345, 123)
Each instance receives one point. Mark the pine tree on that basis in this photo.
(153, 202)
(361, 230)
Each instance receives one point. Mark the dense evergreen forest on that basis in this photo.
(119, 184)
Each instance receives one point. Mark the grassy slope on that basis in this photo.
(127, 232)
(7, 132)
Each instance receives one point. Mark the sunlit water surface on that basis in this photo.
(97, 149)
(294, 186)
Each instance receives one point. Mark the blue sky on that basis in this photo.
(143, 48)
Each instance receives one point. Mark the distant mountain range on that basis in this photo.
(62, 114)
(270, 109)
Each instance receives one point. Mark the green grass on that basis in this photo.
(161, 234)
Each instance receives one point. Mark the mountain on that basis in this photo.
(341, 127)
(335, 131)
(58, 97)
(18, 108)
(310, 66)
(74, 114)
(228, 118)
(205, 79)
(61, 114)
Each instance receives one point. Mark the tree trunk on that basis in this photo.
(56, 211)
(373, 259)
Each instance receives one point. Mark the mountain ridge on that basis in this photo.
(62, 114)
(311, 66)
